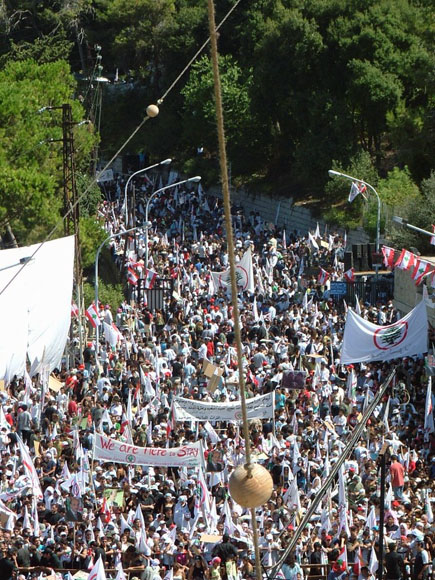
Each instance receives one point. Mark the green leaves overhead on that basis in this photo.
(31, 178)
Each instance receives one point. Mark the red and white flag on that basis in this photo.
(406, 260)
(388, 254)
(74, 310)
(350, 275)
(356, 189)
(93, 316)
(422, 268)
(29, 468)
(97, 572)
(343, 557)
(322, 277)
(150, 278)
(132, 276)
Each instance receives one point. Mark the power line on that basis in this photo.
(126, 142)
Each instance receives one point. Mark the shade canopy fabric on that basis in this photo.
(35, 308)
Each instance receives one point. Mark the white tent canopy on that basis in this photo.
(35, 309)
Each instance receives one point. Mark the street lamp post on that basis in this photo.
(97, 257)
(195, 179)
(378, 218)
(164, 162)
(403, 222)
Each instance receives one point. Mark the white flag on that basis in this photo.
(29, 468)
(428, 409)
(364, 341)
(244, 275)
(357, 305)
(312, 241)
(373, 564)
(111, 334)
(97, 572)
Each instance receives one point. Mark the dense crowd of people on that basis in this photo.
(150, 522)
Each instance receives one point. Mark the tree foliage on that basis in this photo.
(31, 178)
(307, 85)
(418, 211)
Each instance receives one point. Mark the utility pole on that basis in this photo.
(71, 209)
(382, 454)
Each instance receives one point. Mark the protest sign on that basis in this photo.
(107, 449)
(114, 496)
(257, 408)
(293, 379)
(54, 384)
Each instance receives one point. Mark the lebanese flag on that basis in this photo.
(132, 276)
(388, 254)
(322, 277)
(150, 278)
(356, 189)
(343, 557)
(406, 260)
(93, 316)
(74, 310)
(105, 512)
(350, 275)
(432, 239)
(421, 269)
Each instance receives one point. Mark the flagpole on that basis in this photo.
(382, 453)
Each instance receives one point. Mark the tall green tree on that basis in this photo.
(31, 177)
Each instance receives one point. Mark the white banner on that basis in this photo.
(261, 407)
(364, 341)
(107, 449)
(244, 274)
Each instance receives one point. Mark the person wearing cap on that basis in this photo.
(215, 569)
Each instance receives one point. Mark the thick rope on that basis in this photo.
(231, 259)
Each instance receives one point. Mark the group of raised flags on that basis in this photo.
(149, 277)
(407, 260)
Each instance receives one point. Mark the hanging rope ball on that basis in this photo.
(152, 110)
(251, 492)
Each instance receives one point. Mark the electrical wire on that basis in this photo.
(109, 163)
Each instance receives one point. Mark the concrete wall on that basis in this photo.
(283, 212)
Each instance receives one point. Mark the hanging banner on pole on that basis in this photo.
(364, 341)
(107, 449)
(257, 408)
